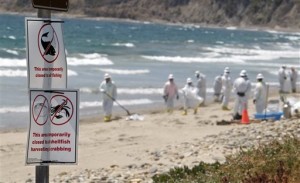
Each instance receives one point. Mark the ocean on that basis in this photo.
(139, 56)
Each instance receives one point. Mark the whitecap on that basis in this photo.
(72, 73)
(122, 102)
(14, 109)
(127, 91)
(12, 62)
(255, 54)
(292, 38)
(231, 28)
(13, 52)
(180, 59)
(143, 91)
(128, 45)
(125, 72)
(89, 59)
(190, 41)
(13, 73)
(12, 37)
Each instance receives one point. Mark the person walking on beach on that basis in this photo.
(226, 88)
(201, 86)
(217, 86)
(170, 93)
(282, 77)
(242, 89)
(294, 77)
(260, 94)
(109, 94)
(190, 96)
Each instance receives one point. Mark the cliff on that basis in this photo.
(242, 13)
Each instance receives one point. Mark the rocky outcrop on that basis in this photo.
(265, 13)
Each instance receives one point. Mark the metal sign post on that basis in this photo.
(42, 172)
(44, 11)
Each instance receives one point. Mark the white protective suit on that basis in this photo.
(217, 87)
(260, 96)
(170, 93)
(242, 89)
(284, 82)
(191, 99)
(226, 88)
(294, 77)
(109, 93)
(201, 85)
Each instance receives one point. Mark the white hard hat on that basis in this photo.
(197, 73)
(171, 76)
(226, 70)
(189, 80)
(106, 76)
(243, 73)
(259, 76)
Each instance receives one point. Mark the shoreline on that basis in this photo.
(148, 109)
(124, 150)
(163, 22)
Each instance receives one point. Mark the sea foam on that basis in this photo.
(125, 72)
(89, 59)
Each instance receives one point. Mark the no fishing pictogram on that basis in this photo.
(48, 43)
(62, 109)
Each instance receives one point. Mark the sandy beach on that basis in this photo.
(133, 151)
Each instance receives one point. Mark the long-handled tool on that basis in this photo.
(128, 113)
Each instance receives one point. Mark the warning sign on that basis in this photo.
(46, 57)
(52, 136)
(48, 43)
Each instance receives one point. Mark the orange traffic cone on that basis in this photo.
(245, 117)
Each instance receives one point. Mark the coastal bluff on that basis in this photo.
(283, 14)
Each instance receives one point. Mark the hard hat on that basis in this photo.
(197, 73)
(243, 73)
(283, 66)
(226, 68)
(106, 76)
(259, 76)
(189, 80)
(171, 76)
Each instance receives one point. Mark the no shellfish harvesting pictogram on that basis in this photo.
(57, 109)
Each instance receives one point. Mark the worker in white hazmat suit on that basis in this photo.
(242, 89)
(260, 94)
(190, 96)
(201, 85)
(217, 86)
(294, 77)
(283, 79)
(226, 88)
(170, 93)
(109, 94)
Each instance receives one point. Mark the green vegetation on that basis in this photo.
(277, 162)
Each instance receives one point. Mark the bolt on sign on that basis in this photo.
(53, 128)
(46, 58)
(59, 5)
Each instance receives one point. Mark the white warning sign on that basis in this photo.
(52, 136)
(46, 59)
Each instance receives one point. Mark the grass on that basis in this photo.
(277, 162)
